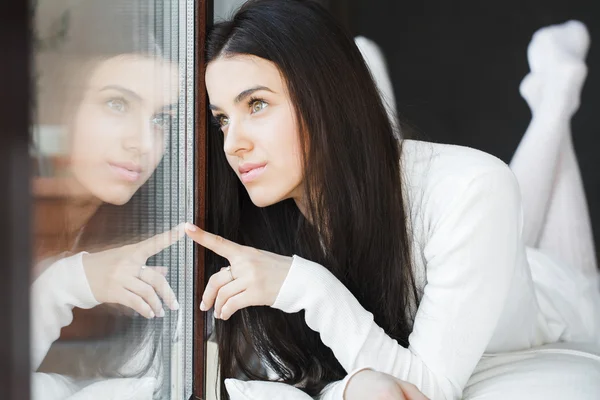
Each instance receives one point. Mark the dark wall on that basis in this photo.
(456, 67)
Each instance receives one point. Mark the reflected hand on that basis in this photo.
(121, 276)
(254, 277)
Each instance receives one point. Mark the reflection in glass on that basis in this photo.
(111, 294)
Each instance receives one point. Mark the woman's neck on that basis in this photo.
(81, 206)
(79, 211)
(59, 219)
(301, 206)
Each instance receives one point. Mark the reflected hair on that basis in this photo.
(356, 225)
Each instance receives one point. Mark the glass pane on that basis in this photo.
(112, 155)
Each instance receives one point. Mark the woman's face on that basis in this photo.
(120, 128)
(249, 100)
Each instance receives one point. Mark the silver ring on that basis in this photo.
(230, 272)
(141, 270)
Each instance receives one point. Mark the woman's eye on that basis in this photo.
(222, 120)
(258, 105)
(163, 121)
(119, 105)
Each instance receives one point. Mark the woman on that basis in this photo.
(408, 257)
(115, 100)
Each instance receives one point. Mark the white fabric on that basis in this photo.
(254, 390)
(118, 389)
(60, 288)
(375, 60)
(555, 208)
(478, 291)
(258, 390)
(52, 386)
(551, 372)
(54, 294)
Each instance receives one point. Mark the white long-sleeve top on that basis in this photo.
(60, 288)
(482, 290)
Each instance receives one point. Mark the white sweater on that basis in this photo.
(478, 293)
(54, 294)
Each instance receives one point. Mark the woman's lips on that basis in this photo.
(127, 173)
(252, 174)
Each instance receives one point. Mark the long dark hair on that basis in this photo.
(352, 178)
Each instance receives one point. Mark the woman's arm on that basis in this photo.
(54, 294)
(470, 255)
(52, 386)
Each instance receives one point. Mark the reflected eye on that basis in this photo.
(163, 120)
(257, 105)
(117, 104)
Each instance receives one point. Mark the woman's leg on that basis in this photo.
(556, 217)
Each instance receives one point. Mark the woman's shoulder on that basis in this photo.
(430, 164)
(438, 177)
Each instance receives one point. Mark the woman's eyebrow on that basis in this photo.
(240, 97)
(123, 90)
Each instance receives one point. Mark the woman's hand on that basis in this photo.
(253, 278)
(369, 384)
(121, 276)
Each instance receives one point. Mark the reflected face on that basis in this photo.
(250, 102)
(122, 125)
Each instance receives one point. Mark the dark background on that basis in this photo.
(456, 67)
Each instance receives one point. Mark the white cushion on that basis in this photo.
(558, 371)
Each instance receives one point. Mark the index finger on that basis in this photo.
(221, 246)
(158, 243)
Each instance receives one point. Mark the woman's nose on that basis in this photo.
(236, 140)
(140, 136)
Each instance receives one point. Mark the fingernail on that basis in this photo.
(161, 313)
(190, 227)
(175, 305)
(152, 314)
(202, 306)
(221, 316)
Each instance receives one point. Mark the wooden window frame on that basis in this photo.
(203, 21)
(15, 202)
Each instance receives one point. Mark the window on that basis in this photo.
(112, 168)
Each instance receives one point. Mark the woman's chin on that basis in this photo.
(116, 197)
(262, 200)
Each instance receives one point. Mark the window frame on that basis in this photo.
(203, 22)
(15, 203)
